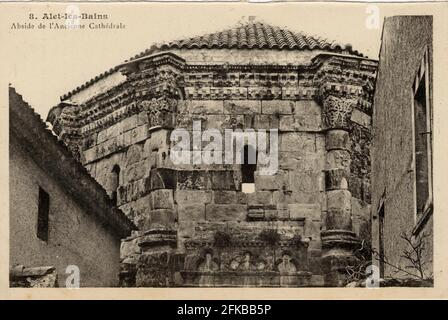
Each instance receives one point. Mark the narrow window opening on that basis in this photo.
(115, 183)
(248, 168)
(421, 134)
(43, 215)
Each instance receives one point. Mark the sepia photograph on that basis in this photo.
(278, 145)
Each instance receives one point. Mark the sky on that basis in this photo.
(45, 64)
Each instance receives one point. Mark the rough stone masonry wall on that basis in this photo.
(290, 201)
(204, 199)
(130, 125)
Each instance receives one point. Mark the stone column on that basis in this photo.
(158, 263)
(338, 239)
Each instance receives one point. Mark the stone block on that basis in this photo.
(339, 199)
(222, 197)
(138, 134)
(222, 180)
(162, 217)
(142, 205)
(163, 178)
(277, 106)
(338, 210)
(297, 161)
(129, 248)
(338, 219)
(312, 229)
(307, 181)
(234, 122)
(135, 172)
(298, 141)
(249, 121)
(187, 197)
(274, 182)
(259, 197)
(283, 214)
(255, 214)
(134, 154)
(262, 121)
(129, 123)
(139, 188)
(337, 139)
(195, 179)
(307, 107)
(114, 130)
(242, 106)
(303, 197)
(278, 197)
(300, 123)
(361, 118)
(241, 198)
(203, 106)
(225, 212)
(102, 136)
(191, 212)
(185, 232)
(142, 118)
(90, 155)
(162, 199)
(215, 121)
(338, 159)
(320, 144)
(89, 141)
(158, 139)
(298, 211)
(271, 214)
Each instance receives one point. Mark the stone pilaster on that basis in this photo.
(337, 236)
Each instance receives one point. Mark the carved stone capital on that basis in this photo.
(336, 179)
(337, 112)
(161, 112)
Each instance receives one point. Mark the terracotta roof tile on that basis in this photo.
(255, 35)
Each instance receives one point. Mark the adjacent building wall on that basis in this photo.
(75, 236)
(404, 42)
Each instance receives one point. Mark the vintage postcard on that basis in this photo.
(175, 146)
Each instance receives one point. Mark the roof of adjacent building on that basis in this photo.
(53, 156)
(252, 36)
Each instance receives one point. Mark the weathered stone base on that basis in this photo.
(36, 277)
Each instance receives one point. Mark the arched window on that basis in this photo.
(248, 168)
(114, 183)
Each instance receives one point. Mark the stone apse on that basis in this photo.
(196, 225)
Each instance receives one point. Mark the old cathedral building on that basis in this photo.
(197, 226)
